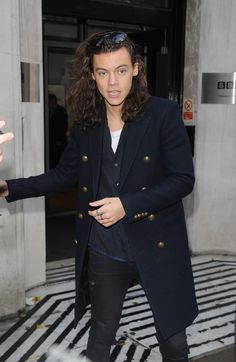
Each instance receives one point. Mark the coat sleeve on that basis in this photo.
(64, 175)
(178, 180)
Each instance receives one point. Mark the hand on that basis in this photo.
(3, 189)
(109, 211)
(4, 138)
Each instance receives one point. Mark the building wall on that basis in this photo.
(32, 113)
(211, 47)
(22, 230)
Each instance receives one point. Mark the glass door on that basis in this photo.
(60, 207)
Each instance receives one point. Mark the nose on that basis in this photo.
(112, 79)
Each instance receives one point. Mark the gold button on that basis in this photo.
(146, 159)
(135, 216)
(151, 217)
(84, 158)
(85, 189)
(80, 216)
(139, 215)
(160, 244)
(146, 213)
(143, 188)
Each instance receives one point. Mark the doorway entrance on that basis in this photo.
(62, 34)
(60, 207)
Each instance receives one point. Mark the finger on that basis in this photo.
(102, 219)
(95, 213)
(6, 137)
(106, 220)
(98, 203)
(2, 123)
(92, 213)
(98, 218)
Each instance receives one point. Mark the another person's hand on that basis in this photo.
(4, 138)
(109, 211)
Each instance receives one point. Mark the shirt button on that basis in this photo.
(84, 158)
(146, 159)
(116, 164)
(160, 244)
(117, 184)
(151, 217)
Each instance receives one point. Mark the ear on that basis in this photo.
(93, 76)
(135, 69)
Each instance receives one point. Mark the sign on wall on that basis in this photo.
(219, 88)
(188, 109)
(30, 90)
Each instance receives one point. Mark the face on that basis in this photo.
(113, 73)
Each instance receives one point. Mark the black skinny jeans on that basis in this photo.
(108, 282)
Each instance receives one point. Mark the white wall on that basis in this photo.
(210, 40)
(22, 229)
(33, 144)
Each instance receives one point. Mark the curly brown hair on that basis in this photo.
(84, 98)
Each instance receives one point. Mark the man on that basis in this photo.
(130, 157)
(4, 138)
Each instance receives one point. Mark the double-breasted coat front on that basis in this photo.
(156, 173)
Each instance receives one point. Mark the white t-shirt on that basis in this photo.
(115, 137)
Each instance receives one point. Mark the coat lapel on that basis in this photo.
(95, 151)
(135, 133)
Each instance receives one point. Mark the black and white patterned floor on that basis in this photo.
(50, 320)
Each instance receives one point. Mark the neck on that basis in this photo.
(114, 118)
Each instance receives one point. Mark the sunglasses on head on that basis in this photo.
(115, 37)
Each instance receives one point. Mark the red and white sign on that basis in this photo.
(188, 110)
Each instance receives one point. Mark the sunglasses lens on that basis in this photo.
(114, 37)
(118, 38)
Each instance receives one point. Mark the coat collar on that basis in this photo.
(135, 133)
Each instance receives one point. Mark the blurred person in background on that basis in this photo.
(58, 128)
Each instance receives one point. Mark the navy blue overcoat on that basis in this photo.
(156, 173)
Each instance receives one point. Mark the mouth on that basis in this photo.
(113, 93)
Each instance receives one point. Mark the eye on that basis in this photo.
(122, 71)
(102, 73)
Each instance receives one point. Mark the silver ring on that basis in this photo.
(99, 213)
